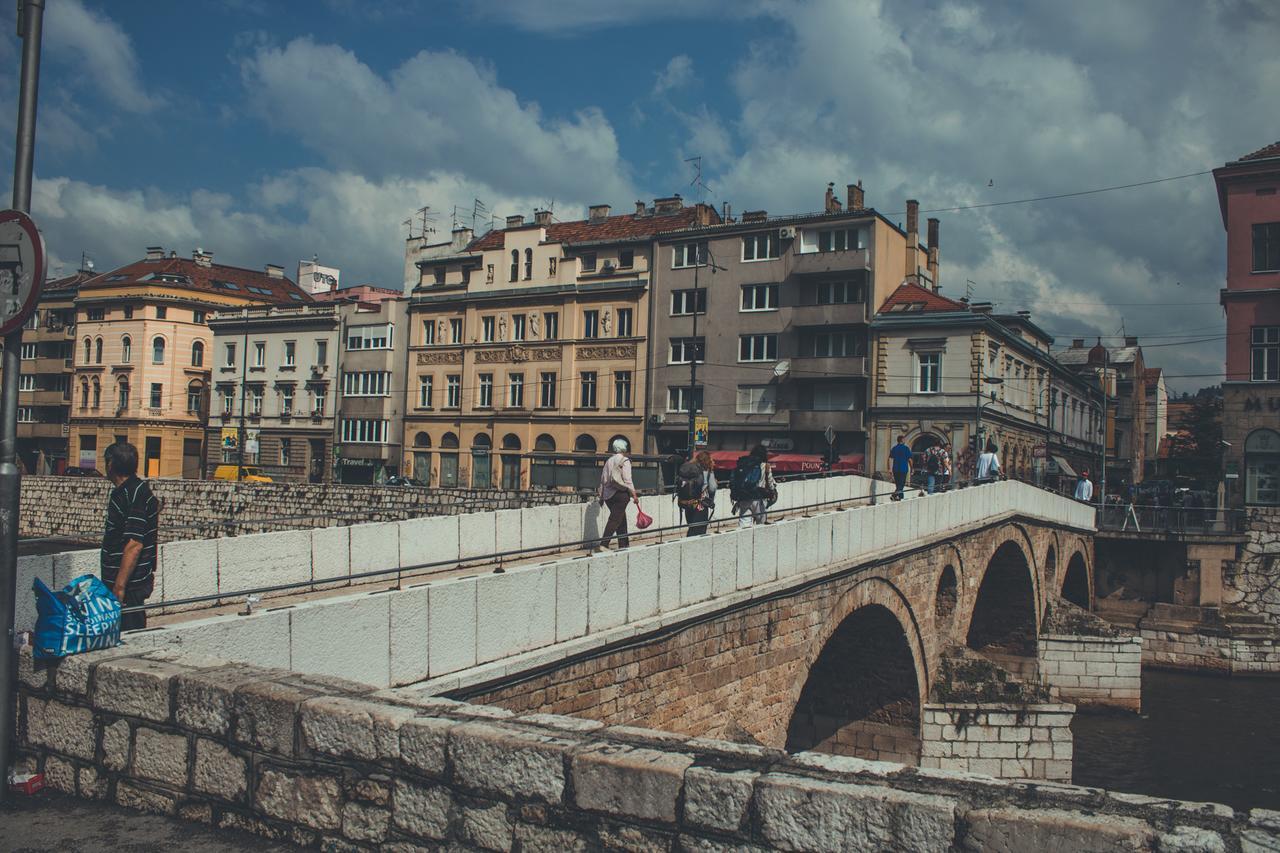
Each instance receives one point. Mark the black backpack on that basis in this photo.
(931, 462)
(689, 483)
(745, 483)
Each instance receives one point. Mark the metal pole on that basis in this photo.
(30, 19)
(697, 352)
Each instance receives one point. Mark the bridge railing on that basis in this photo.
(1177, 520)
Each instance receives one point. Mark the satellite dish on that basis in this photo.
(782, 368)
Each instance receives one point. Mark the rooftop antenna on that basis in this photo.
(697, 178)
(969, 285)
(427, 217)
(477, 210)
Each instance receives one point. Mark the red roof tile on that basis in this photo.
(1272, 150)
(252, 285)
(909, 293)
(625, 227)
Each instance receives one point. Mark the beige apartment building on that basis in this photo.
(143, 355)
(532, 338)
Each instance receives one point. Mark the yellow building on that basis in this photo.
(143, 354)
(531, 338)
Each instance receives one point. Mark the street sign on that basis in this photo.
(829, 434)
(21, 268)
(701, 426)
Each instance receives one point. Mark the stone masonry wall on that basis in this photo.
(337, 766)
(1011, 741)
(1252, 583)
(207, 509)
(1202, 651)
(1105, 671)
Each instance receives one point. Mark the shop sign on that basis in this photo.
(1255, 404)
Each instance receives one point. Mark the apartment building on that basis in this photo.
(954, 371)
(1122, 372)
(776, 310)
(275, 381)
(532, 338)
(371, 371)
(44, 390)
(143, 355)
(1157, 425)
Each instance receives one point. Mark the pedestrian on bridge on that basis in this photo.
(900, 465)
(752, 487)
(1084, 488)
(696, 492)
(989, 464)
(616, 491)
(128, 559)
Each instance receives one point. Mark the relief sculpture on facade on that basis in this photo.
(611, 351)
(517, 353)
(443, 357)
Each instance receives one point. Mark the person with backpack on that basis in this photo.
(696, 492)
(900, 465)
(988, 464)
(752, 487)
(933, 467)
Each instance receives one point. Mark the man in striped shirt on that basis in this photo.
(129, 539)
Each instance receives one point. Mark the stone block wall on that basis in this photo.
(1252, 582)
(875, 741)
(1197, 649)
(333, 765)
(1100, 671)
(1009, 741)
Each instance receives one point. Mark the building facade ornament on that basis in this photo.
(446, 357)
(611, 351)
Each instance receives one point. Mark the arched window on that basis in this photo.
(528, 264)
(511, 441)
(1262, 467)
(97, 351)
(422, 439)
(545, 444)
(515, 264)
(97, 394)
(122, 395)
(449, 441)
(482, 440)
(195, 396)
(88, 351)
(126, 349)
(84, 390)
(197, 354)
(584, 444)
(157, 351)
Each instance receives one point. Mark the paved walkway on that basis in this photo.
(54, 823)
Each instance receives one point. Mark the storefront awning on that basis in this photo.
(789, 463)
(1063, 467)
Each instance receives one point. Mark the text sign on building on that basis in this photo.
(701, 426)
(21, 268)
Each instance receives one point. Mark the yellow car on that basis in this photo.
(243, 473)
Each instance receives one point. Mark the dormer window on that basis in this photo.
(588, 262)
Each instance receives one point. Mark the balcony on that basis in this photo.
(42, 430)
(843, 421)
(829, 315)
(817, 263)
(808, 368)
(44, 398)
(46, 365)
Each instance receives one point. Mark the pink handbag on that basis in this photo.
(643, 520)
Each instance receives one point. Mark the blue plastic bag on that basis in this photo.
(83, 617)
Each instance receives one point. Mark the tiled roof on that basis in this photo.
(1268, 151)
(253, 285)
(911, 297)
(67, 283)
(1151, 376)
(625, 227)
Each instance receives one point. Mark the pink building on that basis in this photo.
(1249, 197)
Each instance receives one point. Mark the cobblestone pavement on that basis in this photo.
(54, 823)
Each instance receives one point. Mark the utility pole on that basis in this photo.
(697, 350)
(30, 25)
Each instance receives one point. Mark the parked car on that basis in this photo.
(82, 472)
(396, 480)
(242, 473)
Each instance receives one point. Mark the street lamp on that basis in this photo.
(978, 406)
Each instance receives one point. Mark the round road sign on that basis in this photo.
(21, 268)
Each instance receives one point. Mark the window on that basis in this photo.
(486, 391)
(195, 397)
(426, 386)
(1262, 467)
(26, 415)
(487, 326)
(84, 395)
(290, 353)
(428, 332)
(259, 353)
(227, 400)
(157, 395)
(685, 350)
(439, 273)
(27, 382)
(126, 350)
(285, 447)
(760, 247)
(838, 293)
(515, 264)
(588, 389)
(678, 399)
(757, 399)
(198, 317)
(831, 345)
(96, 313)
(128, 312)
(515, 397)
(759, 297)
(317, 400)
(930, 375)
(683, 301)
(255, 402)
(286, 401)
(624, 323)
(454, 392)
(591, 324)
(626, 259)
(587, 262)
(838, 240)
(547, 390)
(365, 383)
(97, 352)
(322, 352)
(157, 351)
(378, 336)
(88, 351)
(528, 264)
(197, 354)
(551, 267)
(1266, 353)
(1266, 246)
(757, 348)
(122, 397)
(834, 397)
(552, 321)
(517, 327)
(622, 389)
(162, 312)
(688, 255)
(363, 431)
(29, 351)
(455, 330)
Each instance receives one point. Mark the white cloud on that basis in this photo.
(97, 45)
(677, 74)
(574, 16)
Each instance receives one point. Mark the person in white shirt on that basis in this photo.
(988, 465)
(1084, 488)
(616, 491)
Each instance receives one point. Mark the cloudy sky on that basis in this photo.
(272, 131)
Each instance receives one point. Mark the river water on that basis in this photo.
(1199, 737)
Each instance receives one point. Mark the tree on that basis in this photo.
(1196, 449)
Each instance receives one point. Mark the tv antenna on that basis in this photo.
(478, 209)
(969, 285)
(697, 178)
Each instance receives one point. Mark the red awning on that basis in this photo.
(788, 463)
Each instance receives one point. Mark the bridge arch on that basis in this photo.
(1004, 618)
(1077, 582)
(863, 679)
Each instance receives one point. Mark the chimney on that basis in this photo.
(913, 218)
(705, 212)
(173, 253)
(598, 212)
(857, 200)
(671, 204)
(462, 236)
(725, 210)
(827, 200)
(1131, 342)
(913, 240)
(275, 271)
(155, 253)
(1077, 343)
(1024, 314)
(542, 217)
(754, 215)
(202, 258)
(515, 221)
(934, 224)
(980, 307)
(639, 208)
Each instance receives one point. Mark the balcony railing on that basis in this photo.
(813, 263)
(834, 366)
(825, 315)
(809, 420)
